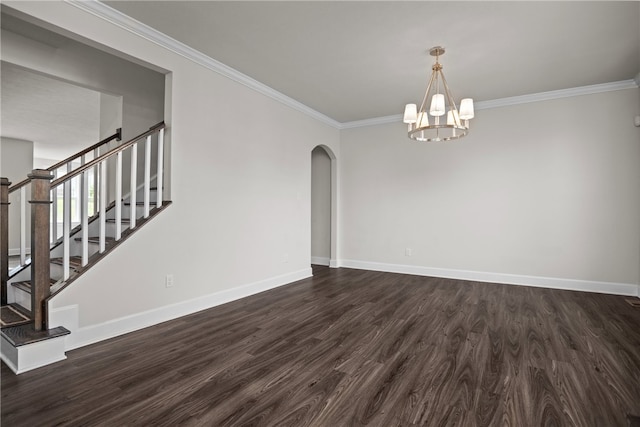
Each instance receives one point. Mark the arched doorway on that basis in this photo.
(323, 207)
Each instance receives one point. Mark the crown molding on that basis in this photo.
(556, 94)
(371, 122)
(127, 23)
(516, 100)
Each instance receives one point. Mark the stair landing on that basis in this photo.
(25, 334)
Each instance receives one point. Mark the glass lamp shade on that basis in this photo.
(410, 113)
(466, 109)
(452, 118)
(437, 105)
(423, 119)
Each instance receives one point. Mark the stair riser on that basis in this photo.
(57, 272)
(18, 296)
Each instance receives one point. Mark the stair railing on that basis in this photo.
(67, 164)
(101, 162)
(44, 185)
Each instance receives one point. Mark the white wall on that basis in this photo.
(16, 158)
(547, 189)
(16, 162)
(241, 191)
(320, 206)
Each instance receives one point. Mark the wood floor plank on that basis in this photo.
(355, 348)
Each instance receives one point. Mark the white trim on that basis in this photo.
(320, 260)
(125, 22)
(627, 289)
(513, 100)
(31, 356)
(556, 94)
(81, 336)
(372, 122)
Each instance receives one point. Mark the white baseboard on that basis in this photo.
(82, 336)
(319, 260)
(627, 289)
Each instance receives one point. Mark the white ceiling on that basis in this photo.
(365, 59)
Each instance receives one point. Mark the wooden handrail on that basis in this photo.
(117, 136)
(106, 155)
(22, 183)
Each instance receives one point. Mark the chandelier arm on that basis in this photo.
(452, 102)
(426, 95)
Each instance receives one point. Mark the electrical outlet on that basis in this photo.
(168, 281)
(408, 252)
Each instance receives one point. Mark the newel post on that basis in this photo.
(4, 236)
(40, 223)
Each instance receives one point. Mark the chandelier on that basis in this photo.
(437, 128)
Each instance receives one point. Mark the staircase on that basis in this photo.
(91, 189)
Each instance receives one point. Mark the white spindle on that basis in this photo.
(119, 195)
(54, 210)
(103, 203)
(82, 189)
(85, 217)
(23, 225)
(96, 154)
(132, 196)
(147, 175)
(66, 225)
(159, 177)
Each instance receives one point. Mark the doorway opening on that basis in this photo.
(323, 207)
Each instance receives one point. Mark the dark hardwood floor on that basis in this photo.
(351, 348)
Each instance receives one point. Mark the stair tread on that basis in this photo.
(121, 220)
(96, 239)
(25, 285)
(25, 334)
(25, 311)
(74, 261)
